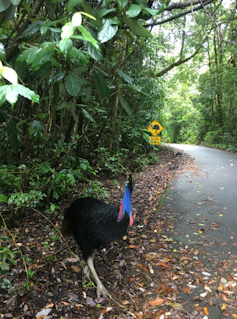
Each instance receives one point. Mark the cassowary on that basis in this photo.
(95, 224)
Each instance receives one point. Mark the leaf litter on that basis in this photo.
(148, 273)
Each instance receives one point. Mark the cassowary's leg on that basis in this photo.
(100, 287)
(86, 270)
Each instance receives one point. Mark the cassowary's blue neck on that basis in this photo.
(126, 205)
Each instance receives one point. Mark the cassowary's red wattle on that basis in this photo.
(126, 205)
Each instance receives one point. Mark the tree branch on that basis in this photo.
(182, 5)
(199, 7)
(13, 45)
(180, 61)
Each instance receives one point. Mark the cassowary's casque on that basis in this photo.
(95, 224)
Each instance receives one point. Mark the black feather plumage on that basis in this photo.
(95, 224)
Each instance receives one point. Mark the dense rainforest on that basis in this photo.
(80, 82)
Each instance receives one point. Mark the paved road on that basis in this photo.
(205, 207)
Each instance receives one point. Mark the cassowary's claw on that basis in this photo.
(101, 291)
(85, 275)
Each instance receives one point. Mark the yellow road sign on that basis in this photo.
(155, 128)
(155, 140)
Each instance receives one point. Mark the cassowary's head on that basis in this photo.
(126, 204)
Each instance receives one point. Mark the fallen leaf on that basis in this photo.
(43, 313)
(76, 268)
(107, 309)
(187, 290)
(206, 310)
(162, 264)
(72, 260)
(156, 302)
(175, 305)
(206, 273)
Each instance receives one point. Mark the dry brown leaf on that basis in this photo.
(156, 302)
(206, 311)
(187, 290)
(49, 305)
(163, 265)
(76, 268)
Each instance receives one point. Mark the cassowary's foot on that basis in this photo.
(86, 275)
(101, 291)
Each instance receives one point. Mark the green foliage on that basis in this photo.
(6, 259)
(113, 163)
(77, 76)
(31, 199)
(95, 189)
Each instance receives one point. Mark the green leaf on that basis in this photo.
(158, 11)
(3, 116)
(9, 13)
(87, 94)
(102, 85)
(44, 29)
(2, 53)
(142, 3)
(72, 4)
(32, 30)
(122, 4)
(133, 10)
(80, 56)
(81, 81)
(31, 57)
(68, 30)
(126, 77)
(4, 4)
(15, 2)
(4, 265)
(125, 105)
(3, 92)
(12, 134)
(116, 21)
(36, 128)
(63, 105)
(55, 63)
(87, 115)
(75, 116)
(14, 90)
(94, 53)
(108, 31)
(72, 85)
(100, 13)
(136, 28)
(3, 198)
(58, 76)
(25, 54)
(43, 56)
(12, 95)
(88, 36)
(65, 46)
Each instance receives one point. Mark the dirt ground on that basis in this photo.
(143, 275)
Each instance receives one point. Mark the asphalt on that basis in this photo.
(204, 205)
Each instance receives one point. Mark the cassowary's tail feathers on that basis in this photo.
(66, 228)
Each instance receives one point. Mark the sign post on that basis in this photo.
(155, 128)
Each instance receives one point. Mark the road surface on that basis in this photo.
(204, 205)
